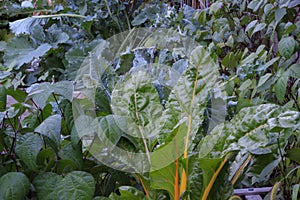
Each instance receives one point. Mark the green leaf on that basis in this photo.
(263, 80)
(139, 19)
(251, 25)
(250, 131)
(14, 186)
(20, 51)
(111, 128)
(56, 36)
(22, 26)
(72, 153)
(293, 3)
(258, 28)
(230, 41)
(268, 64)
(130, 193)
(215, 183)
(294, 154)
(296, 188)
(286, 47)
(245, 85)
(217, 110)
(188, 99)
(3, 95)
(279, 14)
(51, 129)
(76, 185)
(46, 185)
(40, 92)
(137, 101)
(77, 54)
(280, 87)
(294, 70)
(163, 179)
(163, 163)
(28, 148)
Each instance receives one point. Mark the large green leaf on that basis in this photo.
(188, 99)
(251, 130)
(77, 54)
(215, 183)
(20, 51)
(22, 26)
(138, 102)
(72, 153)
(28, 148)
(111, 128)
(286, 47)
(40, 92)
(50, 128)
(14, 186)
(165, 166)
(75, 185)
(164, 179)
(46, 185)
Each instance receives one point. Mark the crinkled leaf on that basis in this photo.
(250, 130)
(76, 185)
(138, 102)
(14, 186)
(189, 96)
(46, 185)
(28, 148)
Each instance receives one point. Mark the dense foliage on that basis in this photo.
(231, 104)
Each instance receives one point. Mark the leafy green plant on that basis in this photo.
(230, 121)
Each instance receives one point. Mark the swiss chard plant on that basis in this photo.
(191, 121)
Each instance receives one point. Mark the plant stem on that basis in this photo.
(141, 130)
(11, 152)
(58, 15)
